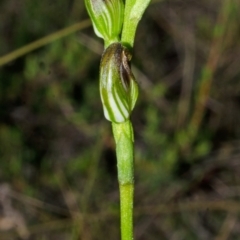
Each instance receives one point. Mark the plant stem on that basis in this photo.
(123, 134)
(126, 198)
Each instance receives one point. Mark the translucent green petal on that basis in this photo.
(118, 88)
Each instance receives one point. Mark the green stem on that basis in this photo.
(123, 134)
(126, 197)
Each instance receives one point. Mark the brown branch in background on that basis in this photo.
(210, 67)
(228, 205)
(227, 227)
(43, 41)
(188, 72)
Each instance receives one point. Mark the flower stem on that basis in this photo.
(123, 134)
(126, 198)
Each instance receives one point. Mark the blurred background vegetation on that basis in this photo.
(57, 154)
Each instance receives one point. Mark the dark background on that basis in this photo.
(57, 153)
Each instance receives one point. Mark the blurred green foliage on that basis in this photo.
(57, 153)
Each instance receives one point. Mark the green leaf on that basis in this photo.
(134, 10)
